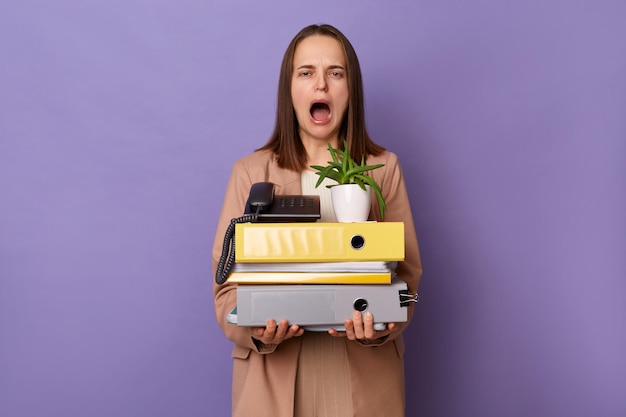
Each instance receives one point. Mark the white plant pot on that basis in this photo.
(351, 203)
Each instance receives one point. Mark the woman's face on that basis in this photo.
(319, 88)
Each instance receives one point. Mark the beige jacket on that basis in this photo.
(263, 382)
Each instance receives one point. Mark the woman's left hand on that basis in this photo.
(361, 327)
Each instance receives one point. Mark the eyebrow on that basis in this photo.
(308, 66)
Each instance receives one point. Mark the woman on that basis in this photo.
(281, 370)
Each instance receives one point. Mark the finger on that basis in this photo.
(270, 331)
(369, 331)
(335, 333)
(357, 318)
(257, 332)
(294, 331)
(349, 325)
(391, 327)
(281, 331)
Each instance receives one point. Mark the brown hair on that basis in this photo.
(285, 140)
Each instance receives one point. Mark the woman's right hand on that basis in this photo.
(273, 333)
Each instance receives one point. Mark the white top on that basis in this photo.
(308, 180)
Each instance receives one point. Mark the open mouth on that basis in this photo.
(320, 111)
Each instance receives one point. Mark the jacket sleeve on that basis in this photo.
(391, 180)
(225, 296)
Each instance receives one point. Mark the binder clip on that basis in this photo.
(406, 298)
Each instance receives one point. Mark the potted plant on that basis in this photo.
(346, 172)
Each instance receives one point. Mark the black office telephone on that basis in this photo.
(264, 206)
(281, 208)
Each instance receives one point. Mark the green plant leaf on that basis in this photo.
(344, 170)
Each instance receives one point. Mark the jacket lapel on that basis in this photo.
(287, 182)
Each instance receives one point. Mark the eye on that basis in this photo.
(336, 74)
(304, 73)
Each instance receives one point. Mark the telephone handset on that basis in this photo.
(264, 206)
(261, 195)
(281, 208)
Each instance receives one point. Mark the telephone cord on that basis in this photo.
(227, 258)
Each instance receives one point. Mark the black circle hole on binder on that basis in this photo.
(360, 304)
(357, 242)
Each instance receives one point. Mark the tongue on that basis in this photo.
(320, 112)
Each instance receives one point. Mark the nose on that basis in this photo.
(321, 84)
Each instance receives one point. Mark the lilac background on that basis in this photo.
(120, 120)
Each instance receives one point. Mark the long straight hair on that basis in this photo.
(285, 141)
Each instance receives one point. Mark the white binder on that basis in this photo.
(321, 305)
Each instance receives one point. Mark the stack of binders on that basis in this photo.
(330, 270)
